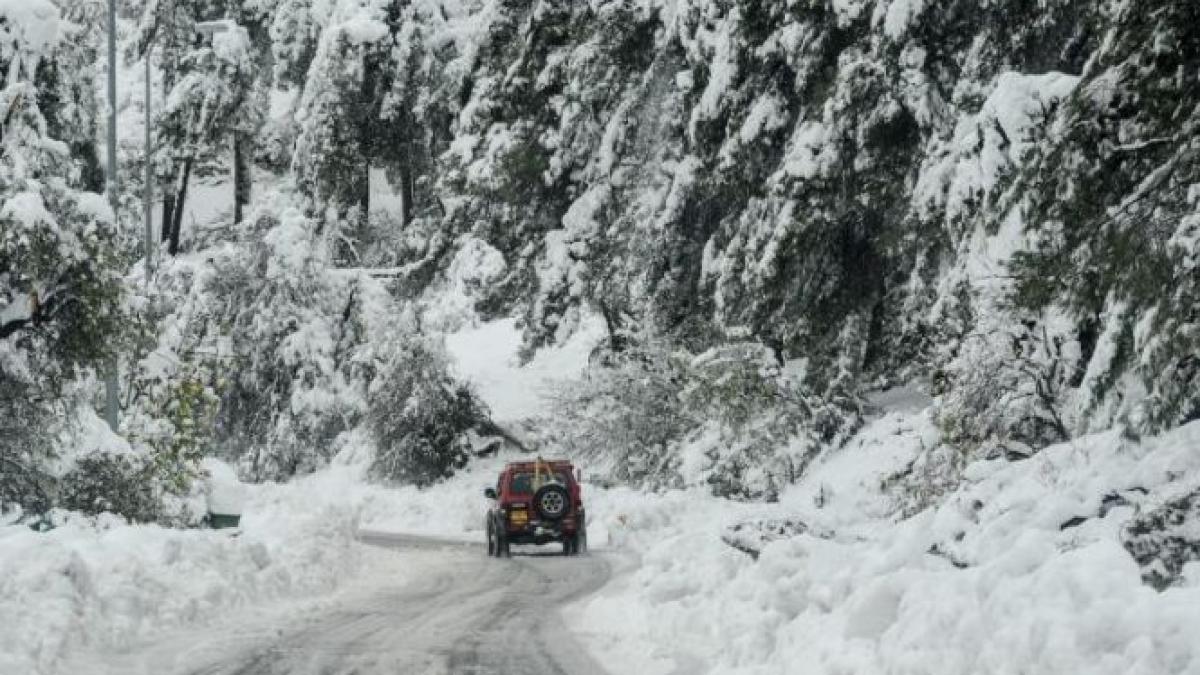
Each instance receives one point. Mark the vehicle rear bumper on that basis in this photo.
(539, 533)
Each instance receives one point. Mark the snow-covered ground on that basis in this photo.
(986, 581)
(102, 583)
(102, 586)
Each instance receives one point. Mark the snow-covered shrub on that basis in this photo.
(294, 329)
(111, 483)
(934, 473)
(418, 416)
(1006, 391)
(627, 412)
(731, 418)
(761, 426)
(259, 352)
(61, 311)
(25, 450)
(178, 370)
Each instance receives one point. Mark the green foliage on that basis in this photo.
(521, 171)
(62, 310)
(190, 411)
(111, 483)
(26, 458)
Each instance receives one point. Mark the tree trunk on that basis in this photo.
(168, 212)
(406, 188)
(241, 176)
(364, 197)
(180, 201)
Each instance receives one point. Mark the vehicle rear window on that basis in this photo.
(522, 482)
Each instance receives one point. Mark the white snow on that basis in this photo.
(866, 595)
(224, 493)
(898, 16)
(101, 584)
(986, 581)
(487, 356)
(848, 10)
(230, 42)
(34, 26)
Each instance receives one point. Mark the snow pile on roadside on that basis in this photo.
(102, 583)
(988, 581)
(452, 509)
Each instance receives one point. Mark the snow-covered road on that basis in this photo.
(454, 610)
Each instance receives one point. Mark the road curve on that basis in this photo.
(468, 614)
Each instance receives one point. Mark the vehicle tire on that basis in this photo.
(493, 548)
(502, 546)
(569, 546)
(552, 501)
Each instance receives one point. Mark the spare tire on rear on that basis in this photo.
(552, 501)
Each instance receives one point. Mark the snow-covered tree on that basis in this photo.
(418, 415)
(374, 98)
(60, 261)
(213, 102)
(330, 161)
(732, 418)
(1113, 207)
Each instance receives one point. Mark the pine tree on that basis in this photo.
(1113, 212)
(212, 103)
(331, 161)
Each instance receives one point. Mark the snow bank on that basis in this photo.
(990, 581)
(104, 584)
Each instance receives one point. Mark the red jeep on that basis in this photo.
(536, 502)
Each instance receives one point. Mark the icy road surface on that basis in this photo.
(461, 612)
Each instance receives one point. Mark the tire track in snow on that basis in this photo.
(467, 613)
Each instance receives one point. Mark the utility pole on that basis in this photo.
(110, 378)
(148, 189)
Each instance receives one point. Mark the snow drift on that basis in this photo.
(1021, 569)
